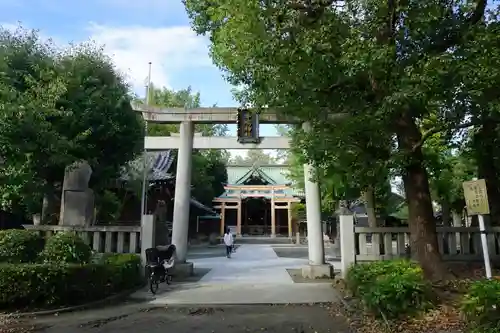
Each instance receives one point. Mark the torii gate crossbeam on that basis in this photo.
(186, 141)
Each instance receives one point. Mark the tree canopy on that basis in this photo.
(253, 156)
(59, 106)
(375, 79)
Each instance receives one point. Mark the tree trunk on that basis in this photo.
(485, 148)
(446, 212)
(424, 245)
(369, 198)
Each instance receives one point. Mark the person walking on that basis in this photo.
(228, 241)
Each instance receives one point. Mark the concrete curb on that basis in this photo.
(106, 301)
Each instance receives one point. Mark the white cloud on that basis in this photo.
(144, 4)
(169, 49)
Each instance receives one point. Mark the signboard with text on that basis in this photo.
(476, 197)
(248, 126)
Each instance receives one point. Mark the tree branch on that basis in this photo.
(453, 37)
(427, 134)
(478, 12)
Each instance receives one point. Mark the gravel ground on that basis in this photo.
(225, 319)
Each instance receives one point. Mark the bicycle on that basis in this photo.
(157, 271)
(158, 275)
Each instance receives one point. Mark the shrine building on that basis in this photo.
(257, 201)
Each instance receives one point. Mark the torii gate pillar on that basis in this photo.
(180, 226)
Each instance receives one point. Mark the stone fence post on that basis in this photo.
(347, 243)
(147, 235)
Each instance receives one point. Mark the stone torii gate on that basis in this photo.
(248, 124)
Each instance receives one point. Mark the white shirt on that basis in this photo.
(228, 239)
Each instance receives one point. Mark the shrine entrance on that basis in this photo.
(248, 137)
(261, 210)
(256, 220)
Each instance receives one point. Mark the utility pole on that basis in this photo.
(145, 182)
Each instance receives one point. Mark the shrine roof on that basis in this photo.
(230, 194)
(274, 174)
(158, 164)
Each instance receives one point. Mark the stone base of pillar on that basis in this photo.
(273, 235)
(312, 272)
(184, 269)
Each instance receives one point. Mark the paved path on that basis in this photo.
(224, 319)
(229, 299)
(254, 275)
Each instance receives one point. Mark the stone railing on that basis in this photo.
(110, 239)
(360, 244)
(102, 239)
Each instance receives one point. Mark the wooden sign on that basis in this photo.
(248, 126)
(476, 197)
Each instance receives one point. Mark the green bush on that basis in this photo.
(124, 264)
(481, 305)
(20, 246)
(51, 284)
(363, 275)
(389, 288)
(66, 247)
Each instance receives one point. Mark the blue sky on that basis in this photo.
(133, 33)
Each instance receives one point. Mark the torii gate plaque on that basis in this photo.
(248, 126)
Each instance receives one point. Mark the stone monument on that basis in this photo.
(77, 200)
(162, 233)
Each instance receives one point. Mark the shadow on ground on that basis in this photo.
(302, 252)
(178, 283)
(295, 252)
(201, 252)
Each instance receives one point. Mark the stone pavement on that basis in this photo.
(219, 319)
(254, 275)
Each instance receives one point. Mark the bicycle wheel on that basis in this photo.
(153, 283)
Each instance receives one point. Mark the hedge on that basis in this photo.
(50, 284)
(66, 247)
(20, 246)
(389, 288)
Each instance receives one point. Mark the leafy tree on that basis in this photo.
(77, 107)
(103, 128)
(28, 142)
(364, 73)
(481, 100)
(341, 180)
(252, 157)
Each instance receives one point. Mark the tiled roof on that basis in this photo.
(278, 173)
(158, 164)
(272, 174)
